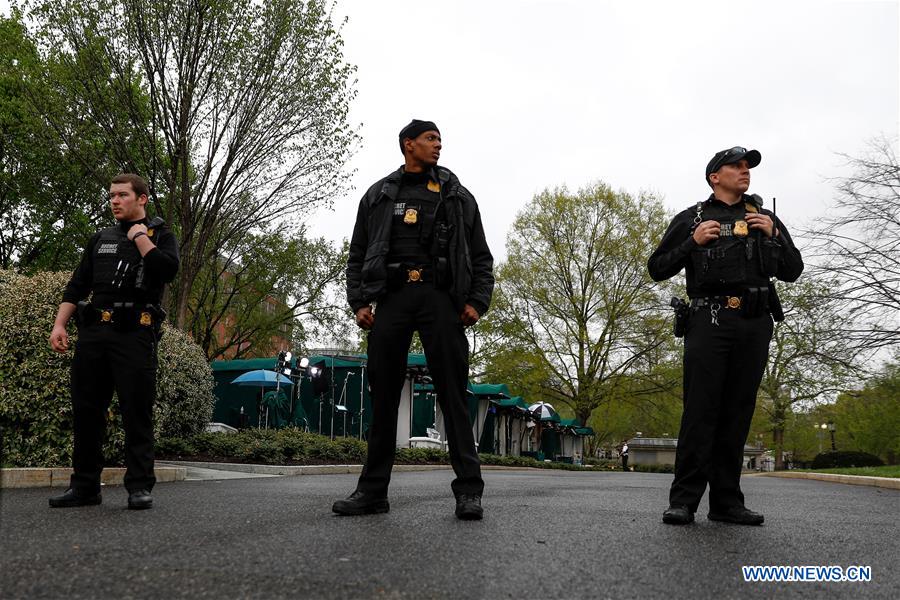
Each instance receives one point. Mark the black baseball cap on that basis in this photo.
(731, 156)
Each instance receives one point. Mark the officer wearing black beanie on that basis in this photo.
(419, 253)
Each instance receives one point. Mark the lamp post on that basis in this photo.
(830, 426)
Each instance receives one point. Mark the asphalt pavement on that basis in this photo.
(546, 534)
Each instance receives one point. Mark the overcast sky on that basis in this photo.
(531, 94)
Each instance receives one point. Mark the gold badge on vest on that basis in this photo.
(410, 216)
(434, 186)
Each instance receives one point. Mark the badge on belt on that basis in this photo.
(146, 319)
(410, 216)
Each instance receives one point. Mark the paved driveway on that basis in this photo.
(546, 534)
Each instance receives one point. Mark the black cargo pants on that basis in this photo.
(723, 366)
(108, 360)
(419, 307)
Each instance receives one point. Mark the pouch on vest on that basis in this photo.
(720, 263)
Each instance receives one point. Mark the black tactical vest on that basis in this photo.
(116, 262)
(741, 257)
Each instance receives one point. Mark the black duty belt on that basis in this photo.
(733, 302)
(125, 314)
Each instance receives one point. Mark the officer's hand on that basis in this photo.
(469, 316)
(136, 229)
(706, 232)
(59, 339)
(365, 318)
(761, 222)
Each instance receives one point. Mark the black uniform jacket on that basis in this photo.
(674, 251)
(471, 262)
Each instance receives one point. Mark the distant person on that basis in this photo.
(124, 270)
(419, 253)
(729, 247)
(624, 455)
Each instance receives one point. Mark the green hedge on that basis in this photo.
(35, 403)
(655, 468)
(831, 460)
(292, 445)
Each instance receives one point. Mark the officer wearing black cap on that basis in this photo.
(730, 248)
(125, 267)
(418, 261)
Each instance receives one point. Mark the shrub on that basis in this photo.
(422, 455)
(655, 468)
(841, 459)
(35, 402)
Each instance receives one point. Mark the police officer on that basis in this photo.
(125, 268)
(730, 247)
(419, 255)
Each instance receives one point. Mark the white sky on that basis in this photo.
(530, 94)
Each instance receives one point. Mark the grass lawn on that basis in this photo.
(886, 471)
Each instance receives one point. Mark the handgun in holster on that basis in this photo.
(682, 314)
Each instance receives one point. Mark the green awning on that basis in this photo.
(490, 390)
(569, 423)
(516, 401)
(584, 431)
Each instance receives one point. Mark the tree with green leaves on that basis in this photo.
(247, 103)
(810, 357)
(868, 419)
(55, 160)
(583, 311)
(268, 287)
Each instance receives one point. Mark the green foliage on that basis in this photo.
(809, 358)
(883, 471)
(55, 160)
(654, 468)
(35, 402)
(845, 458)
(249, 110)
(266, 446)
(422, 455)
(583, 307)
(292, 445)
(268, 287)
(868, 420)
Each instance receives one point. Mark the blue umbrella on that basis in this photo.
(261, 378)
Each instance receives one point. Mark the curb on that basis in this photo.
(294, 470)
(892, 483)
(59, 476)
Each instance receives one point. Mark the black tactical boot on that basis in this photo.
(360, 503)
(468, 507)
(740, 515)
(678, 515)
(70, 499)
(140, 500)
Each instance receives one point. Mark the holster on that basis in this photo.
(775, 304)
(682, 314)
